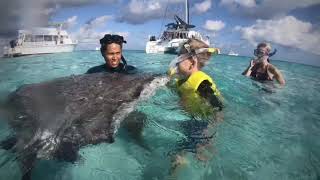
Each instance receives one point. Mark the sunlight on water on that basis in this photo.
(267, 132)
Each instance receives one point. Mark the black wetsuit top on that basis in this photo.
(120, 69)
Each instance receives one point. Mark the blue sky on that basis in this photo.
(291, 26)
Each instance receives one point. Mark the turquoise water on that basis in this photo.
(267, 132)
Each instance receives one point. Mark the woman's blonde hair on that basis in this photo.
(194, 44)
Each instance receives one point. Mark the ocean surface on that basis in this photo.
(267, 132)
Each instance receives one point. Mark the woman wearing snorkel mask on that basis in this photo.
(261, 69)
(200, 98)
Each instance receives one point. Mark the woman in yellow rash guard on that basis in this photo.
(200, 98)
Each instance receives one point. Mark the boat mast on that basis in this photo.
(187, 11)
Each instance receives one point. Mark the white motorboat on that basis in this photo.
(40, 40)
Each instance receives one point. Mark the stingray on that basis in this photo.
(53, 120)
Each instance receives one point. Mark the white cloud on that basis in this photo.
(124, 34)
(89, 33)
(49, 11)
(140, 11)
(202, 7)
(214, 25)
(140, 7)
(70, 22)
(98, 22)
(17, 14)
(287, 31)
(244, 3)
(265, 9)
(91, 40)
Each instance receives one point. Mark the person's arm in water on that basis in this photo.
(248, 71)
(277, 74)
(206, 92)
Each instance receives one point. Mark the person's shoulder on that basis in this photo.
(272, 68)
(271, 65)
(96, 69)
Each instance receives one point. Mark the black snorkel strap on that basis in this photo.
(124, 63)
(273, 53)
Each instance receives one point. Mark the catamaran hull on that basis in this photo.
(172, 47)
(162, 50)
(36, 49)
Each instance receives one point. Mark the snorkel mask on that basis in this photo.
(260, 53)
(173, 66)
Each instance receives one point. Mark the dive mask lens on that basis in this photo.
(213, 51)
(258, 52)
(172, 71)
(173, 66)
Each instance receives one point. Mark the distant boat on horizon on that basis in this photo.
(231, 53)
(40, 40)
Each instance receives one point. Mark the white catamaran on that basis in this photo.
(40, 40)
(174, 36)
